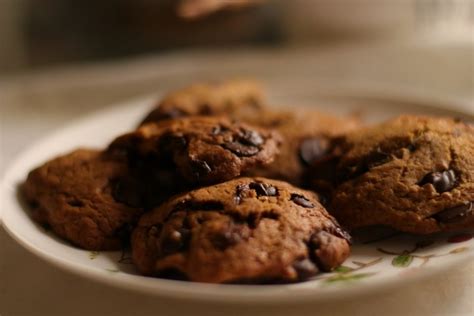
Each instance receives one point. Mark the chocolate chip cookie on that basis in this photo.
(184, 153)
(232, 98)
(305, 131)
(415, 174)
(74, 195)
(247, 230)
(306, 134)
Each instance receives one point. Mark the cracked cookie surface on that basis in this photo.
(75, 195)
(247, 230)
(184, 153)
(415, 174)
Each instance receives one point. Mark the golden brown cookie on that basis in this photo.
(232, 98)
(75, 195)
(306, 135)
(173, 156)
(305, 131)
(247, 230)
(413, 173)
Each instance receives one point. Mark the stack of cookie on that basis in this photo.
(215, 186)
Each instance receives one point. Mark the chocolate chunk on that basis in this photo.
(229, 237)
(442, 181)
(318, 239)
(176, 241)
(311, 149)
(339, 232)
(200, 168)
(373, 159)
(127, 191)
(251, 138)
(240, 149)
(245, 144)
(159, 114)
(320, 251)
(263, 189)
(217, 130)
(301, 200)
(377, 158)
(455, 214)
(305, 269)
(241, 188)
(174, 141)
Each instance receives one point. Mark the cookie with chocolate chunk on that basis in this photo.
(75, 195)
(232, 98)
(247, 230)
(306, 133)
(172, 156)
(413, 173)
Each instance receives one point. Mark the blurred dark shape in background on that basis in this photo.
(58, 31)
(50, 32)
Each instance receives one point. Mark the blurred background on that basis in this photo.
(38, 34)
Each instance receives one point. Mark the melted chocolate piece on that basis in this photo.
(251, 138)
(241, 149)
(305, 269)
(263, 189)
(301, 200)
(239, 191)
(455, 214)
(158, 115)
(442, 181)
(311, 149)
(339, 232)
(320, 240)
(200, 168)
(381, 155)
(127, 191)
(246, 144)
(230, 237)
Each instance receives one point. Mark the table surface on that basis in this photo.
(34, 104)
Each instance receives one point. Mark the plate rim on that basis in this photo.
(187, 290)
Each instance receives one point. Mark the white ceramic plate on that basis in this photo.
(372, 266)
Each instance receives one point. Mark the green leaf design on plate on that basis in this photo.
(402, 261)
(112, 270)
(343, 269)
(93, 255)
(459, 250)
(348, 277)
